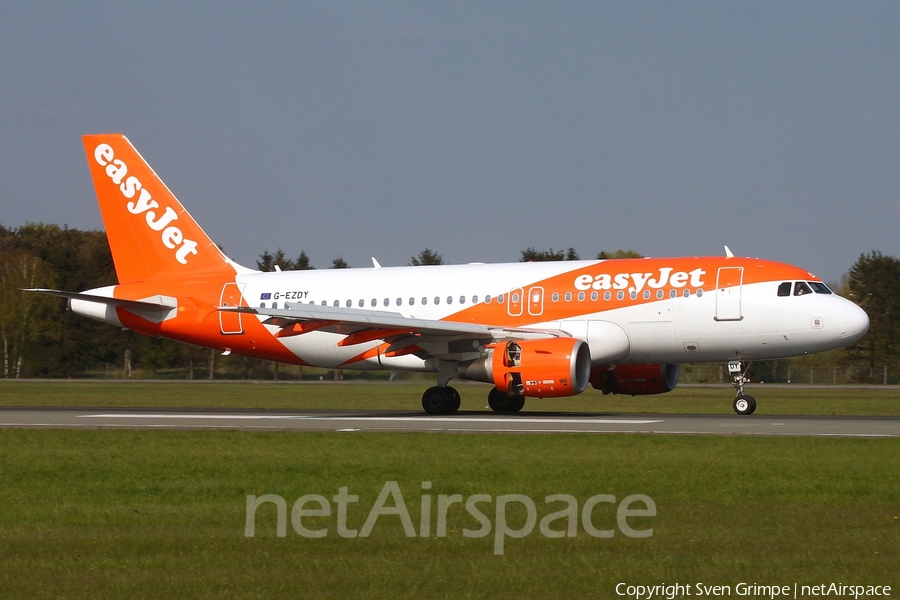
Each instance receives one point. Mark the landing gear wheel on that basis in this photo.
(516, 403)
(440, 400)
(744, 405)
(455, 400)
(501, 402)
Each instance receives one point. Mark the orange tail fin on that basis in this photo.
(150, 233)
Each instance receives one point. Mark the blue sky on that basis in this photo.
(475, 129)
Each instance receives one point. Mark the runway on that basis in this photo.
(463, 422)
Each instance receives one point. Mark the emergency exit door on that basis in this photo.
(536, 301)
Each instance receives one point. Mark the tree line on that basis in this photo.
(278, 260)
(40, 338)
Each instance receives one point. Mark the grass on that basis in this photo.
(406, 395)
(114, 514)
(148, 514)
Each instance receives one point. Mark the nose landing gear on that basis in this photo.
(744, 404)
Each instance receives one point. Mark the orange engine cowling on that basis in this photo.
(637, 380)
(545, 368)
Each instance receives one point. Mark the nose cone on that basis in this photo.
(854, 322)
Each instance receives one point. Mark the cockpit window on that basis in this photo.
(801, 289)
(819, 287)
(784, 289)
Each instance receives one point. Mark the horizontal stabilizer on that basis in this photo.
(126, 304)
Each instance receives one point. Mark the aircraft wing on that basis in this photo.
(444, 339)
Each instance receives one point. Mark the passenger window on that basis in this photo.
(462, 299)
(449, 299)
(412, 301)
(581, 296)
(673, 294)
(487, 299)
(801, 289)
(555, 296)
(262, 304)
(324, 302)
(594, 296)
(474, 299)
(275, 305)
(500, 299)
(400, 301)
(659, 294)
(686, 293)
(620, 295)
(514, 298)
(424, 301)
(607, 295)
(784, 289)
(437, 299)
(633, 295)
(362, 302)
(568, 296)
(646, 294)
(699, 293)
(819, 287)
(387, 301)
(349, 303)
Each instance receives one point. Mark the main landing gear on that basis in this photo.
(442, 399)
(439, 400)
(502, 402)
(744, 404)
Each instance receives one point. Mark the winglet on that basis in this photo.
(728, 252)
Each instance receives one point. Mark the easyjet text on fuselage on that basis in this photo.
(666, 276)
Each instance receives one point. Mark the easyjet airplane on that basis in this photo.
(545, 329)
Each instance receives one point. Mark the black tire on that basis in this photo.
(455, 400)
(440, 400)
(501, 402)
(436, 401)
(744, 404)
(752, 405)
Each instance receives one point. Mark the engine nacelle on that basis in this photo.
(637, 380)
(546, 368)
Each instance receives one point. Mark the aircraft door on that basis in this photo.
(229, 322)
(535, 301)
(728, 293)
